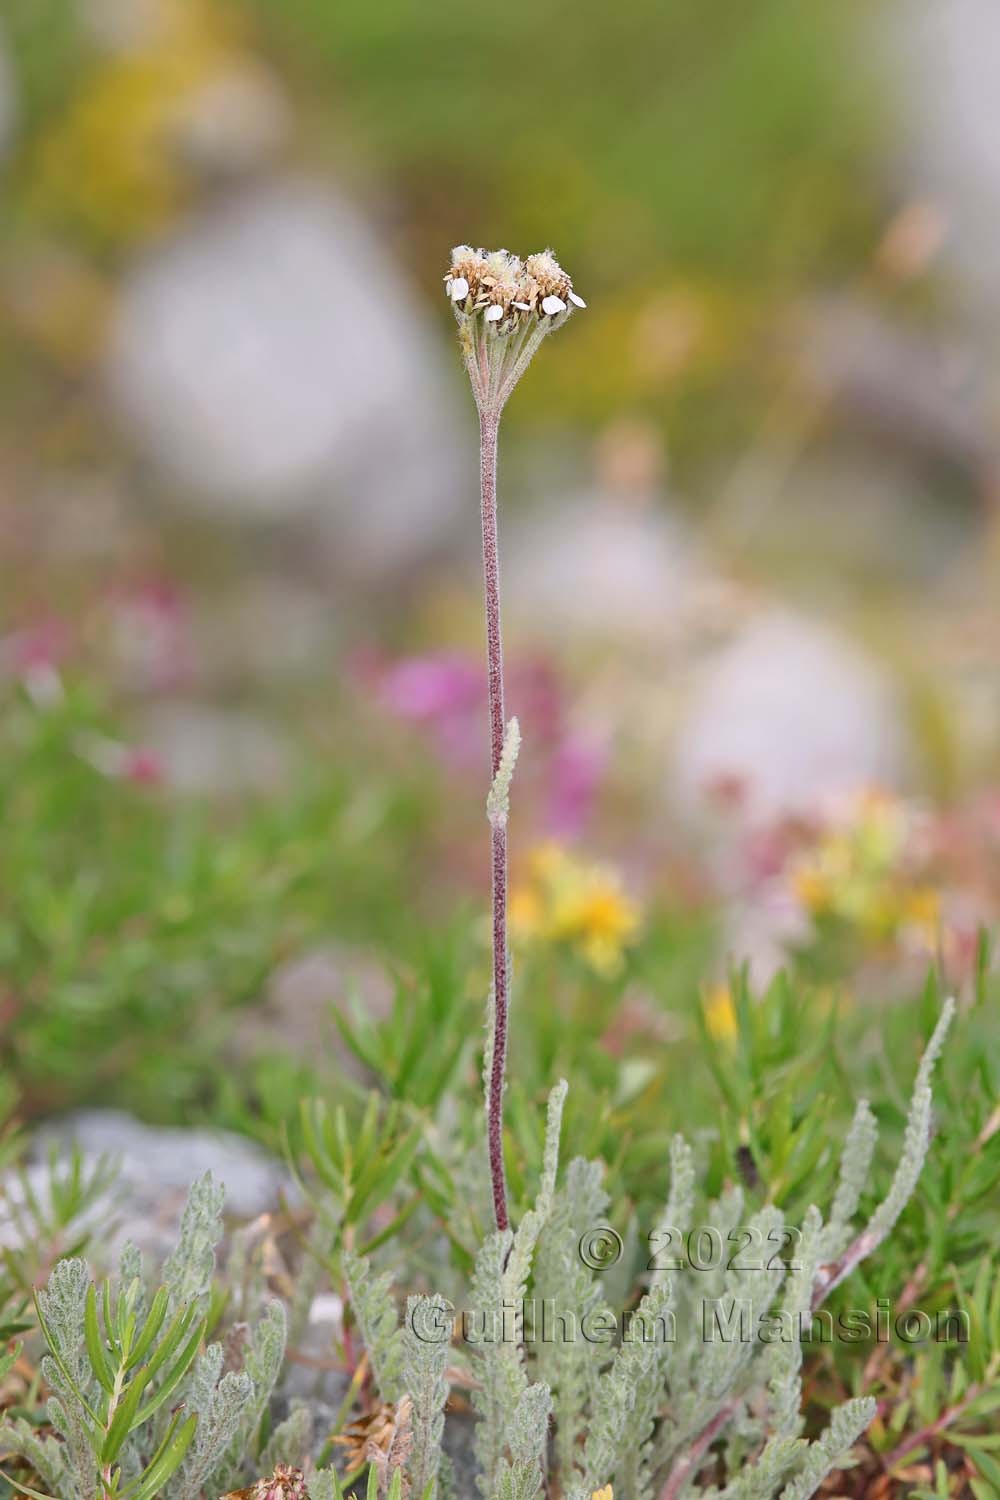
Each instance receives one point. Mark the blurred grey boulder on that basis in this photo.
(274, 360)
(157, 1165)
(6, 98)
(215, 751)
(945, 57)
(297, 1012)
(786, 716)
(595, 566)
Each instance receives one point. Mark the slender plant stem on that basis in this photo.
(488, 425)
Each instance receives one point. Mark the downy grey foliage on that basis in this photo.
(626, 1404)
(188, 1271)
(262, 1365)
(520, 1477)
(138, 1406)
(220, 1407)
(426, 1347)
(376, 1317)
(290, 1440)
(855, 1165)
(568, 1299)
(66, 1370)
(678, 1212)
(325, 1486)
(706, 1372)
(499, 1289)
(832, 1449)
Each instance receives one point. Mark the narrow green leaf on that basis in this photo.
(177, 1372)
(125, 1417)
(95, 1343)
(154, 1322)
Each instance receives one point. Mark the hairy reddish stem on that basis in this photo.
(488, 424)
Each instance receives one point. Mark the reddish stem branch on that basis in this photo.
(488, 424)
(832, 1275)
(944, 1421)
(687, 1467)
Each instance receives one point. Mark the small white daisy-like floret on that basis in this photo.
(458, 288)
(553, 305)
(501, 280)
(494, 313)
(548, 275)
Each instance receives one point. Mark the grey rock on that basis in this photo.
(275, 360)
(7, 101)
(297, 1011)
(156, 1166)
(213, 750)
(792, 713)
(596, 567)
(945, 60)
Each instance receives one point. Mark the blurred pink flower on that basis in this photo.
(143, 766)
(575, 774)
(33, 655)
(444, 693)
(120, 762)
(149, 634)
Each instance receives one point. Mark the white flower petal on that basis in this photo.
(576, 301)
(459, 289)
(553, 305)
(494, 313)
(522, 306)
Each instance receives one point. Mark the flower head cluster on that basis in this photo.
(505, 307)
(503, 287)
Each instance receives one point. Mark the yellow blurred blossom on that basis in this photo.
(111, 163)
(565, 899)
(720, 1013)
(859, 872)
(607, 1493)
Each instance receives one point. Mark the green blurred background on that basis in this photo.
(748, 514)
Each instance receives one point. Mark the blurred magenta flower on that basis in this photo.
(33, 656)
(442, 693)
(575, 773)
(149, 634)
(138, 764)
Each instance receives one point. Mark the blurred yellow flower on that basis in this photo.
(860, 873)
(606, 1494)
(110, 162)
(568, 900)
(720, 1013)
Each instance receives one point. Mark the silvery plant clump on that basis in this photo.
(652, 1406)
(696, 1392)
(702, 1380)
(142, 1404)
